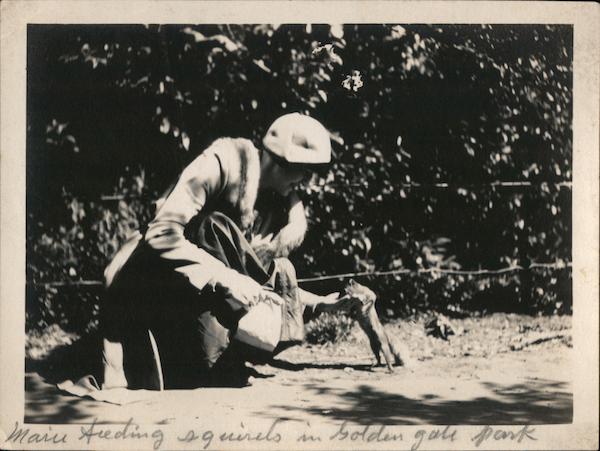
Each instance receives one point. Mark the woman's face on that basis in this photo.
(281, 176)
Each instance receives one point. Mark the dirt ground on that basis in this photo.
(498, 369)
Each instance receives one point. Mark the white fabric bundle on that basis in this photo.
(261, 326)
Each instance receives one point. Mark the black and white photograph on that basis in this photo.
(301, 234)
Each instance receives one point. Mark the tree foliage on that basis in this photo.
(425, 121)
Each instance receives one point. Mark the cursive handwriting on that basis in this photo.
(25, 436)
(130, 431)
(246, 436)
(207, 436)
(432, 435)
(364, 433)
(501, 434)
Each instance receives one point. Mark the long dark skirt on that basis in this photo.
(193, 330)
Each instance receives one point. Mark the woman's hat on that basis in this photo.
(298, 138)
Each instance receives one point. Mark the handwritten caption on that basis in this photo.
(155, 437)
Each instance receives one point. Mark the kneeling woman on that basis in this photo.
(216, 248)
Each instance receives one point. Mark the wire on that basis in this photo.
(505, 184)
(316, 187)
(432, 271)
(67, 283)
(437, 271)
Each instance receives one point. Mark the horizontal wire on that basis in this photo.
(67, 283)
(505, 184)
(316, 187)
(431, 271)
(437, 271)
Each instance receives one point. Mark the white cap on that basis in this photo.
(299, 139)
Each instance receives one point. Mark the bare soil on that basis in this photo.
(498, 369)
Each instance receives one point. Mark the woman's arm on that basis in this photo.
(317, 303)
(292, 234)
(202, 180)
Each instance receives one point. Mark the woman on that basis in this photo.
(216, 248)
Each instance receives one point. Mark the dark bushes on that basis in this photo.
(426, 120)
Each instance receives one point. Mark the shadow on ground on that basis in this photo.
(530, 402)
(45, 404)
(368, 396)
(290, 366)
(534, 402)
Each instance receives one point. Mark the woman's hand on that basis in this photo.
(248, 292)
(334, 303)
(241, 288)
(331, 298)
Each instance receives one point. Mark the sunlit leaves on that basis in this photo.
(424, 120)
(353, 82)
(221, 39)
